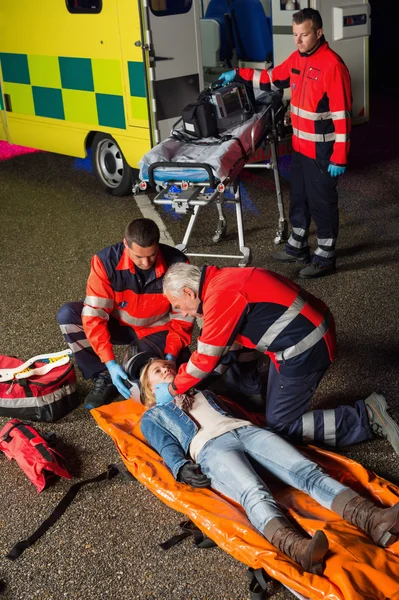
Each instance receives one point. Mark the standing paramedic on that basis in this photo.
(321, 105)
(124, 303)
(264, 310)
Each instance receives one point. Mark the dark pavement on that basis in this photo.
(53, 218)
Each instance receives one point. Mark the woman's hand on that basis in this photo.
(190, 473)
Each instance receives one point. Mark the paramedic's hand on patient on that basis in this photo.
(170, 357)
(118, 375)
(162, 393)
(190, 473)
(227, 77)
(335, 170)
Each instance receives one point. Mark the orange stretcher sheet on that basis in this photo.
(355, 568)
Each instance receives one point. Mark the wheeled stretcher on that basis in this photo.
(191, 174)
(355, 568)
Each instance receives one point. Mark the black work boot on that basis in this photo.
(103, 391)
(316, 269)
(283, 257)
(381, 524)
(308, 553)
(380, 421)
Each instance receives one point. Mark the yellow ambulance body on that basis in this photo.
(76, 74)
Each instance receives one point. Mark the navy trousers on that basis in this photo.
(287, 412)
(313, 195)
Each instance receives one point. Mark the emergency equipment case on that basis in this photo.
(38, 397)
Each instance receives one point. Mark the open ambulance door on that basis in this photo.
(175, 75)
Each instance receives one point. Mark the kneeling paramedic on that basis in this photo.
(264, 310)
(124, 304)
(321, 104)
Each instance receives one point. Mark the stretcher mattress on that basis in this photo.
(221, 157)
(355, 568)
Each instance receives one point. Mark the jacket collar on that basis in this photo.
(322, 45)
(126, 264)
(207, 274)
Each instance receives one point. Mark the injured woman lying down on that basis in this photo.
(204, 445)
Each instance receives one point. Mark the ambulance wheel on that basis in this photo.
(110, 167)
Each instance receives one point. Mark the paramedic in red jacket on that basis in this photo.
(124, 304)
(321, 105)
(263, 310)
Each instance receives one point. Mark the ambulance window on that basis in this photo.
(84, 6)
(164, 8)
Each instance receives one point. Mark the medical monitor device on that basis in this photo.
(232, 105)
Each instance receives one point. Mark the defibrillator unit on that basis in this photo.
(232, 105)
(217, 109)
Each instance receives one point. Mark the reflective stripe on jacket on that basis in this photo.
(321, 101)
(114, 289)
(263, 310)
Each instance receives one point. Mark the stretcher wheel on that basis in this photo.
(110, 167)
(221, 231)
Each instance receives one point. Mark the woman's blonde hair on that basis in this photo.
(147, 395)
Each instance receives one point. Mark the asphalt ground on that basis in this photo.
(53, 219)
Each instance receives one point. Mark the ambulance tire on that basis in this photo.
(112, 172)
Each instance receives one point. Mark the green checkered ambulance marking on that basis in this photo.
(44, 71)
(1, 100)
(15, 68)
(81, 90)
(76, 73)
(137, 79)
(107, 76)
(21, 98)
(48, 102)
(110, 111)
(80, 107)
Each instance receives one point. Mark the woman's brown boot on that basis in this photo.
(309, 553)
(381, 524)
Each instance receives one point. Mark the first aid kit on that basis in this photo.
(33, 452)
(40, 389)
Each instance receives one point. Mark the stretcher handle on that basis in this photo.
(183, 165)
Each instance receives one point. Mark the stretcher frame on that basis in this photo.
(193, 195)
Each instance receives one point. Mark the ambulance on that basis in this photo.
(111, 77)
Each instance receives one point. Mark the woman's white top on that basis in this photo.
(211, 424)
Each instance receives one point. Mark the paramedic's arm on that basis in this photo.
(272, 79)
(180, 333)
(98, 306)
(221, 322)
(338, 88)
(164, 443)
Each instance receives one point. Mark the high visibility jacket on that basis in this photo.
(321, 101)
(259, 309)
(114, 289)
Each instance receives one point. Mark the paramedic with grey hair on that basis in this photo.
(265, 311)
(321, 104)
(124, 304)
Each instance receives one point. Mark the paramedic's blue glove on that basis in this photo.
(190, 473)
(170, 357)
(227, 77)
(335, 170)
(162, 393)
(118, 375)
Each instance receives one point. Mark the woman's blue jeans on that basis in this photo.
(225, 460)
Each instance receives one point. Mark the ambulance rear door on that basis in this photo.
(175, 75)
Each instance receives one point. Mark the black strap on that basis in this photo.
(258, 580)
(188, 528)
(61, 507)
